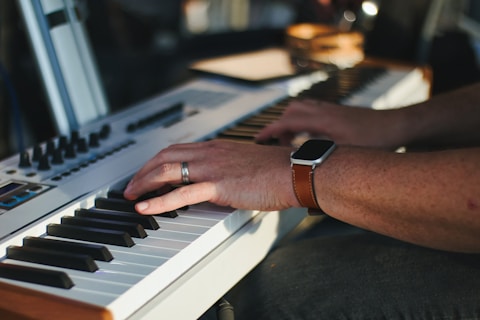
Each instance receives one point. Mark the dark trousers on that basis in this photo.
(354, 274)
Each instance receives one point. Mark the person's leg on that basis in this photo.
(359, 276)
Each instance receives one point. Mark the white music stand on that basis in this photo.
(66, 62)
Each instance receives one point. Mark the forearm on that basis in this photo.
(448, 120)
(407, 199)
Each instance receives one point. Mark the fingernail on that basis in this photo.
(141, 206)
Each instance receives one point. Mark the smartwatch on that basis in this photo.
(304, 161)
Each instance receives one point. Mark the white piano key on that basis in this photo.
(143, 259)
(155, 247)
(84, 281)
(141, 250)
(125, 267)
(210, 207)
(183, 219)
(167, 234)
(187, 228)
(201, 214)
(110, 276)
(96, 283)
(160, 244)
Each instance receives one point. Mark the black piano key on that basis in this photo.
(132, 228)
(275, 110)
(169, 214)
(239, 133)
(148, 222)
(258, 120)
(115, 204)
(52, 278)
(245, 129)
(118, 194)
(149, 195)
(97, 252)
(253, 122)
(267, 117)
(236, 137)
(119, 238)
(271, 141)
(52, 258)
(115, 194)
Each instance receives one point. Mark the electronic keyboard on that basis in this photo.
(71, 245)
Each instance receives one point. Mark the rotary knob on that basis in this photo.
(57, 157)
(82, 146)
(94, 140)
(50, 147)
(62, 142)
(37, 153)
(25, 160)
(43, 163)
(105, 131)
(70, 152)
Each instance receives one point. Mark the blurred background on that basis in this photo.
(143, 47)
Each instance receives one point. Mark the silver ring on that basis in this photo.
(185, 173)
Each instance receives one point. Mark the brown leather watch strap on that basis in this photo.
(302, 177)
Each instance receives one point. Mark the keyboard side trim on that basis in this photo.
(23, 303)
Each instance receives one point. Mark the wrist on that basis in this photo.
(304, 161)
(405, 126)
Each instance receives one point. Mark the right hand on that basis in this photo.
(243, 176)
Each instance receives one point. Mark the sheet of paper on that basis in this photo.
(251, 66)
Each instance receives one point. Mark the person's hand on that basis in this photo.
(243, 176)
(344, 124)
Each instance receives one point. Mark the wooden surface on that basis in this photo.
(21, 303)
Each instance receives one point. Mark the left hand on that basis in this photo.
(243, 176)
(345, 125)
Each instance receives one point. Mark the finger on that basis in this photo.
(286, 126)
(178, 198)
(304, 105)
(173, 153)
(286, 138)
(167, 173)
(270, 131)
(148, 167)
(297, 108)
(283, 129)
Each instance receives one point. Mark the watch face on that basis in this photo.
(313, 150)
